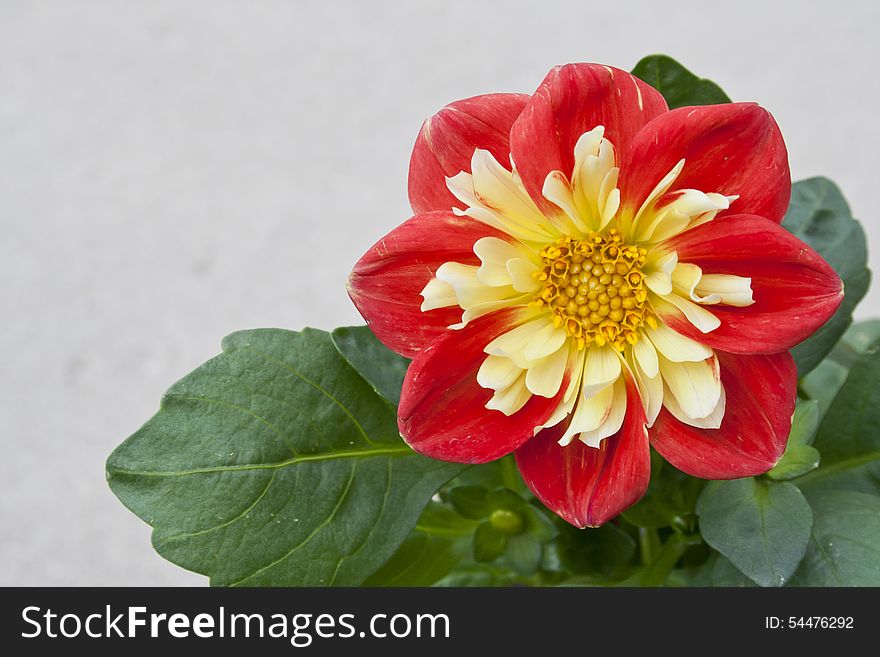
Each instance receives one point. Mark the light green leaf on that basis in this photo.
(819, 215)
(800, 456)
(382, 368)
(523, 554)
(763, 528)
(678, 85)
(849, 437)
(275, 464)
(844, 548)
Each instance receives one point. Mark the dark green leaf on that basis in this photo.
(382, 368)
(763, 528)
(678, 85)
(696, 576)
(826, 379)
(477, 575)
(489, 543)
(855, 342)
(823, 383)
(470, 501)
(844, 549)
(503, 498)
(538, 524)
(849, 437)
(670, 498)
(485, 475)
(601, 551)
(819, 215)
(661, 569)
(421, 560)
(437, 545)
(800, 456)
(275, 464)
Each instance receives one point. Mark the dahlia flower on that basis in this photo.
(588, 273)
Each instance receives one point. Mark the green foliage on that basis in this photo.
(723, 573)
(678, 85)
(819, 215)
(849, 438)
(279, 463)
(844, 548)
(439, 542)
(670, 500)
(762, 528)
(602, 552)
(275, 464)
(800, 456)
(376, 363)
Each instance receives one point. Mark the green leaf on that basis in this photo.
(819, 215)
(504, 498)
(661, 570)
(275, 464)
(481, 575)
(670, 498)
(486, 475)
(725, 574)
(678, 85)
(470, 501)
(856, 341)
(421, 560)
(849, 438)
(437, 545)
(844, 548)
(523, 554)
(800, 456)
(489, 543)
(601, 551)
(824, 382)
(694, 576)
(763, 528)
(382, 368)
(538, 524)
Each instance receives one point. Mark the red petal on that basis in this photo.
(584, 485)
(794, 289)
(731, 149)
(761, 393)
(386, 282)
(442, 412)
(447, 142)
(572, 100)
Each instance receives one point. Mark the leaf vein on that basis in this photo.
(311, 535)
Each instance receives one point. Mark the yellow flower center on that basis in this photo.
(595, 288)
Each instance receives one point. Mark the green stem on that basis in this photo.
(509, 473)
(649, 545)
(657, 572)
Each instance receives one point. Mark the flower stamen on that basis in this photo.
(595, 288)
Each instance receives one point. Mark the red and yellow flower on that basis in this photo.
(586, 271)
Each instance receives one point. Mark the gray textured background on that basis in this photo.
(173, 171)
